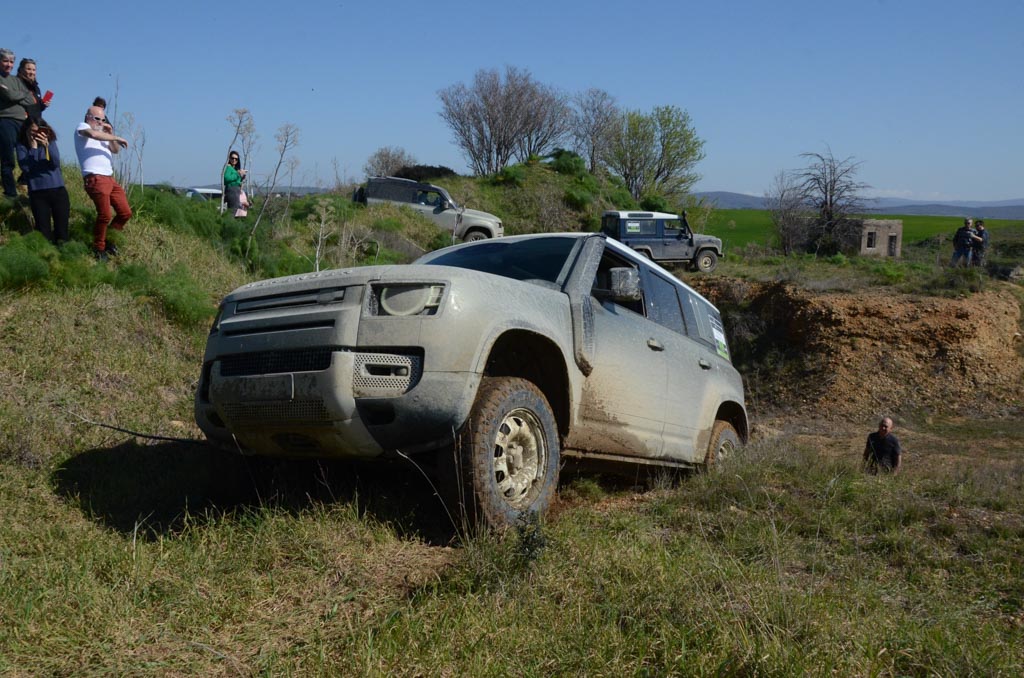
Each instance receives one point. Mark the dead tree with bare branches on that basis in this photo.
(789, 212)
(287, 139)
(593, 120)
(829, 186)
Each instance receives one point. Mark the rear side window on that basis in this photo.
(641, 227)
(704, 324)
(663, 304)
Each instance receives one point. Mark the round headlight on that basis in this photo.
(404, 300)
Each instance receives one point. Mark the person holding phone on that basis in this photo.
(27, 73)
(14, 97)
(233, 177)
(96, 144)
(39, 158)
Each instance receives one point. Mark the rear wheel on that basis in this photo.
(724, 444)
(706, 261)
(506, 459)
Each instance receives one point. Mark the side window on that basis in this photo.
(663, 304)
(641, 227)
(672, 228)
(430, 198)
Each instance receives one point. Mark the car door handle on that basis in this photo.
(704, 364)
(655, 345)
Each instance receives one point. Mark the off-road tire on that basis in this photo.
(724, 443)
(473, 236)
(705, 261)
(506, 458)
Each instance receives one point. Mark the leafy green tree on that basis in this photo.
(656, 153)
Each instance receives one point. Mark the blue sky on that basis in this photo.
(928, 96)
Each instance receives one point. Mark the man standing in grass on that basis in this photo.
(883, 451)
(962, 243)
(14, 97)
(96, 144)
(980, 243)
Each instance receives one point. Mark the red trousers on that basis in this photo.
(106, 193)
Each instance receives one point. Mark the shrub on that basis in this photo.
(577, 198)
(182, 298)
(620, 198)
(654, 203)
(513, 175)
(20, 261)
(567, 162)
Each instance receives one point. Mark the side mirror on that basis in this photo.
(625, 284)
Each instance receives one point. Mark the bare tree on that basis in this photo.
(321, 225)
(829, 185)
(593, 119)
(655, 153)
(128, 162)
(545, 122)
(788, 210)
(287, 139)
(387, 160)
(502, 116)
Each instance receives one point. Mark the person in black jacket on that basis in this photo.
(980, 243)
(962, 242)
(882, 450)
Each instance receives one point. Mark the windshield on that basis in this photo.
(532, 259)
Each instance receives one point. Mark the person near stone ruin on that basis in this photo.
(882, 452)
(96, 144)
(14, 97)
(980, 243)
(962, 241)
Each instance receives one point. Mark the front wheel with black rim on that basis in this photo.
(706, 261)
(506, 458)
(723, 446)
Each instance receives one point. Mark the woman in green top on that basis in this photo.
(233, 176)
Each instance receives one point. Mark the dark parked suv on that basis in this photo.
(663, 237)
(434, 203)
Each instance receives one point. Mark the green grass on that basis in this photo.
(159, 559)
(130, 556)
(737, 228)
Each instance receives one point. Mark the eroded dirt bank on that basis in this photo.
(863, 353)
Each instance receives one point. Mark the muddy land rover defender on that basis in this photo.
(493, 359)
(663, 237)
(434, 203)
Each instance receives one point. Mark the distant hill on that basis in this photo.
(732, 201)
(997, 209)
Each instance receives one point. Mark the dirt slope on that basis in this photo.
(870, 352)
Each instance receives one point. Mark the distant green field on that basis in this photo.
(738, 227)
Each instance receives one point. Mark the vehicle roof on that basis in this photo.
(641, 214)
(402, 179)
(614, 244)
